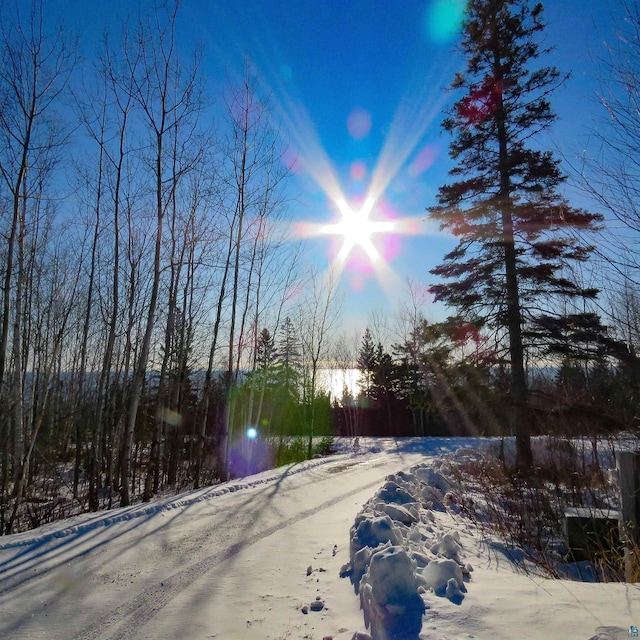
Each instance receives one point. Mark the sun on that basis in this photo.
(356, 228)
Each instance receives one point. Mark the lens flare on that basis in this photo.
(358, 170)
(359, 123)
(286, 72)
(425, 158)
(364, 243)
(291, 160)
(444, 20)
(356, 228)
(248, 456)
(170, 417)
(365, 232)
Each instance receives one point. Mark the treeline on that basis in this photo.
(439, 379)
(447, 379)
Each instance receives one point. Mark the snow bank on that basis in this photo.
(389, 595)
(345, 448)
(399, 553)
(88, 522)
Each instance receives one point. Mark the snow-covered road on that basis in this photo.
(205, 565)
(246, 559)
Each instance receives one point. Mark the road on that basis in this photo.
(237, 565)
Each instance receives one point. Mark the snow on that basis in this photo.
(262, 557)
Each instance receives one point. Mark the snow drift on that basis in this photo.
(398, 552)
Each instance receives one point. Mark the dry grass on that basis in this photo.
(524, 516)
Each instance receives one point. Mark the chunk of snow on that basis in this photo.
(400, 514)
(453, 591)
(389, 596)
(432, 478)
(448, 546)
(392, 576)
(374, 531)
(439, 572)
(393, 492)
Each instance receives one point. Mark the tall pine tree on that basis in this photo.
(367, 363)
(516, 233)
(287, 360)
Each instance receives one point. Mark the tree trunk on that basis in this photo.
(518, 420)
(140, 370)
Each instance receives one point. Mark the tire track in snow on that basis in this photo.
(134, 614)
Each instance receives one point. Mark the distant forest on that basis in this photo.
(158, 331)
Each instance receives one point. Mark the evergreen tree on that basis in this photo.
(384, 374)
(423, 361)
(264, 376)
(367, 364)
(384, 381)
(272, 390)
(287, 360)
(516, 233)
(378, 376)
(265, 350)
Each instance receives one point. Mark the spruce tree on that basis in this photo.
(265, 350)
(287, 360)
(516, 233)
(367, 364)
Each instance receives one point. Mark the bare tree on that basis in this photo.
(106, 173)
(35, 64)
(612, 174)
(344, 362)
(167, 94)
(255, 176)
(38, 348)
(319, 316)
(251, 177)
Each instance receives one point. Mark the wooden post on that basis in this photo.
(628, 464)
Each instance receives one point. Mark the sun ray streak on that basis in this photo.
(364, 227)
(413, 117)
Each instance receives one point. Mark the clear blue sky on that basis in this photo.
(359, 87)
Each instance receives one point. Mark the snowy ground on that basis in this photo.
(246, 560)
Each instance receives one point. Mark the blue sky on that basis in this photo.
(359, 86)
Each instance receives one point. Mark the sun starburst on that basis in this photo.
(357, 228)
(366, 235)
(366, 229)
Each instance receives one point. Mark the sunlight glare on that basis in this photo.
(358, 170)
(366, 235)
(359, 123)
(414, 116)
(356, 229)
